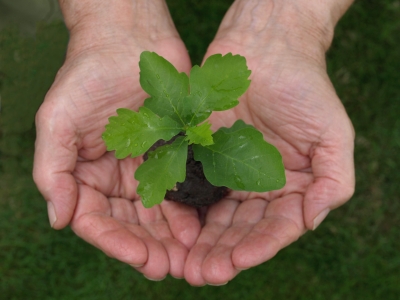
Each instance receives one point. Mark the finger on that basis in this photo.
(215, 263)
(93, 222)
(177, 254)
(281, 225)
(157, 226)
(183, 222)
(333, 168)
(218, 267)
(54, 161)
(155, 268)
(219, 218)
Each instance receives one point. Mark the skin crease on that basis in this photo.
(290, 100)
(293, 103)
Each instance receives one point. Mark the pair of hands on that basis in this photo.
(290, 100)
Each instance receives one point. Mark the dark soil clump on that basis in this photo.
(196, 190)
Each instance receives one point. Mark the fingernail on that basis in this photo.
(52, 213)
(318, 219)
(218, 284)
(152, 279)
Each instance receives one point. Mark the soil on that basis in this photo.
(196, 190)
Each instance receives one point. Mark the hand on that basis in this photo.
(293, 103)
(82, 183)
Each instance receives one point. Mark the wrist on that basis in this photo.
(302, 25)
(90, 14)
(317, 18)
(94, 23)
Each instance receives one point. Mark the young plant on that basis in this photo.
(235, 157)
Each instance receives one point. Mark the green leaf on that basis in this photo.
(216, 86)
(166, 86)
(241, 160)
(201, 134)
(135, 132)
(161, 171)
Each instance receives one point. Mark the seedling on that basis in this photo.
(235, 157)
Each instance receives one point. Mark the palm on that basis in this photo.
(88, 89)
(295, 107)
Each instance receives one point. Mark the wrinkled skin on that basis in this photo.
(86, 185)
(293, 103)
(290, 100)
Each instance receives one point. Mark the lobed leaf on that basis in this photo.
(241, 160)
(161, 171)
(165, 85)
(135, 132)
(216, 86)
(201, 134)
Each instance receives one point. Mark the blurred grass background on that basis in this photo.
(354, 254)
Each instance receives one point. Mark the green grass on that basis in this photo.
(354, 254)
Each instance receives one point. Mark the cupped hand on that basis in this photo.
(89, 188)
(293, 103)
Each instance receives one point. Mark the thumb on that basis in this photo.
(333, 185)
(54, 160)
